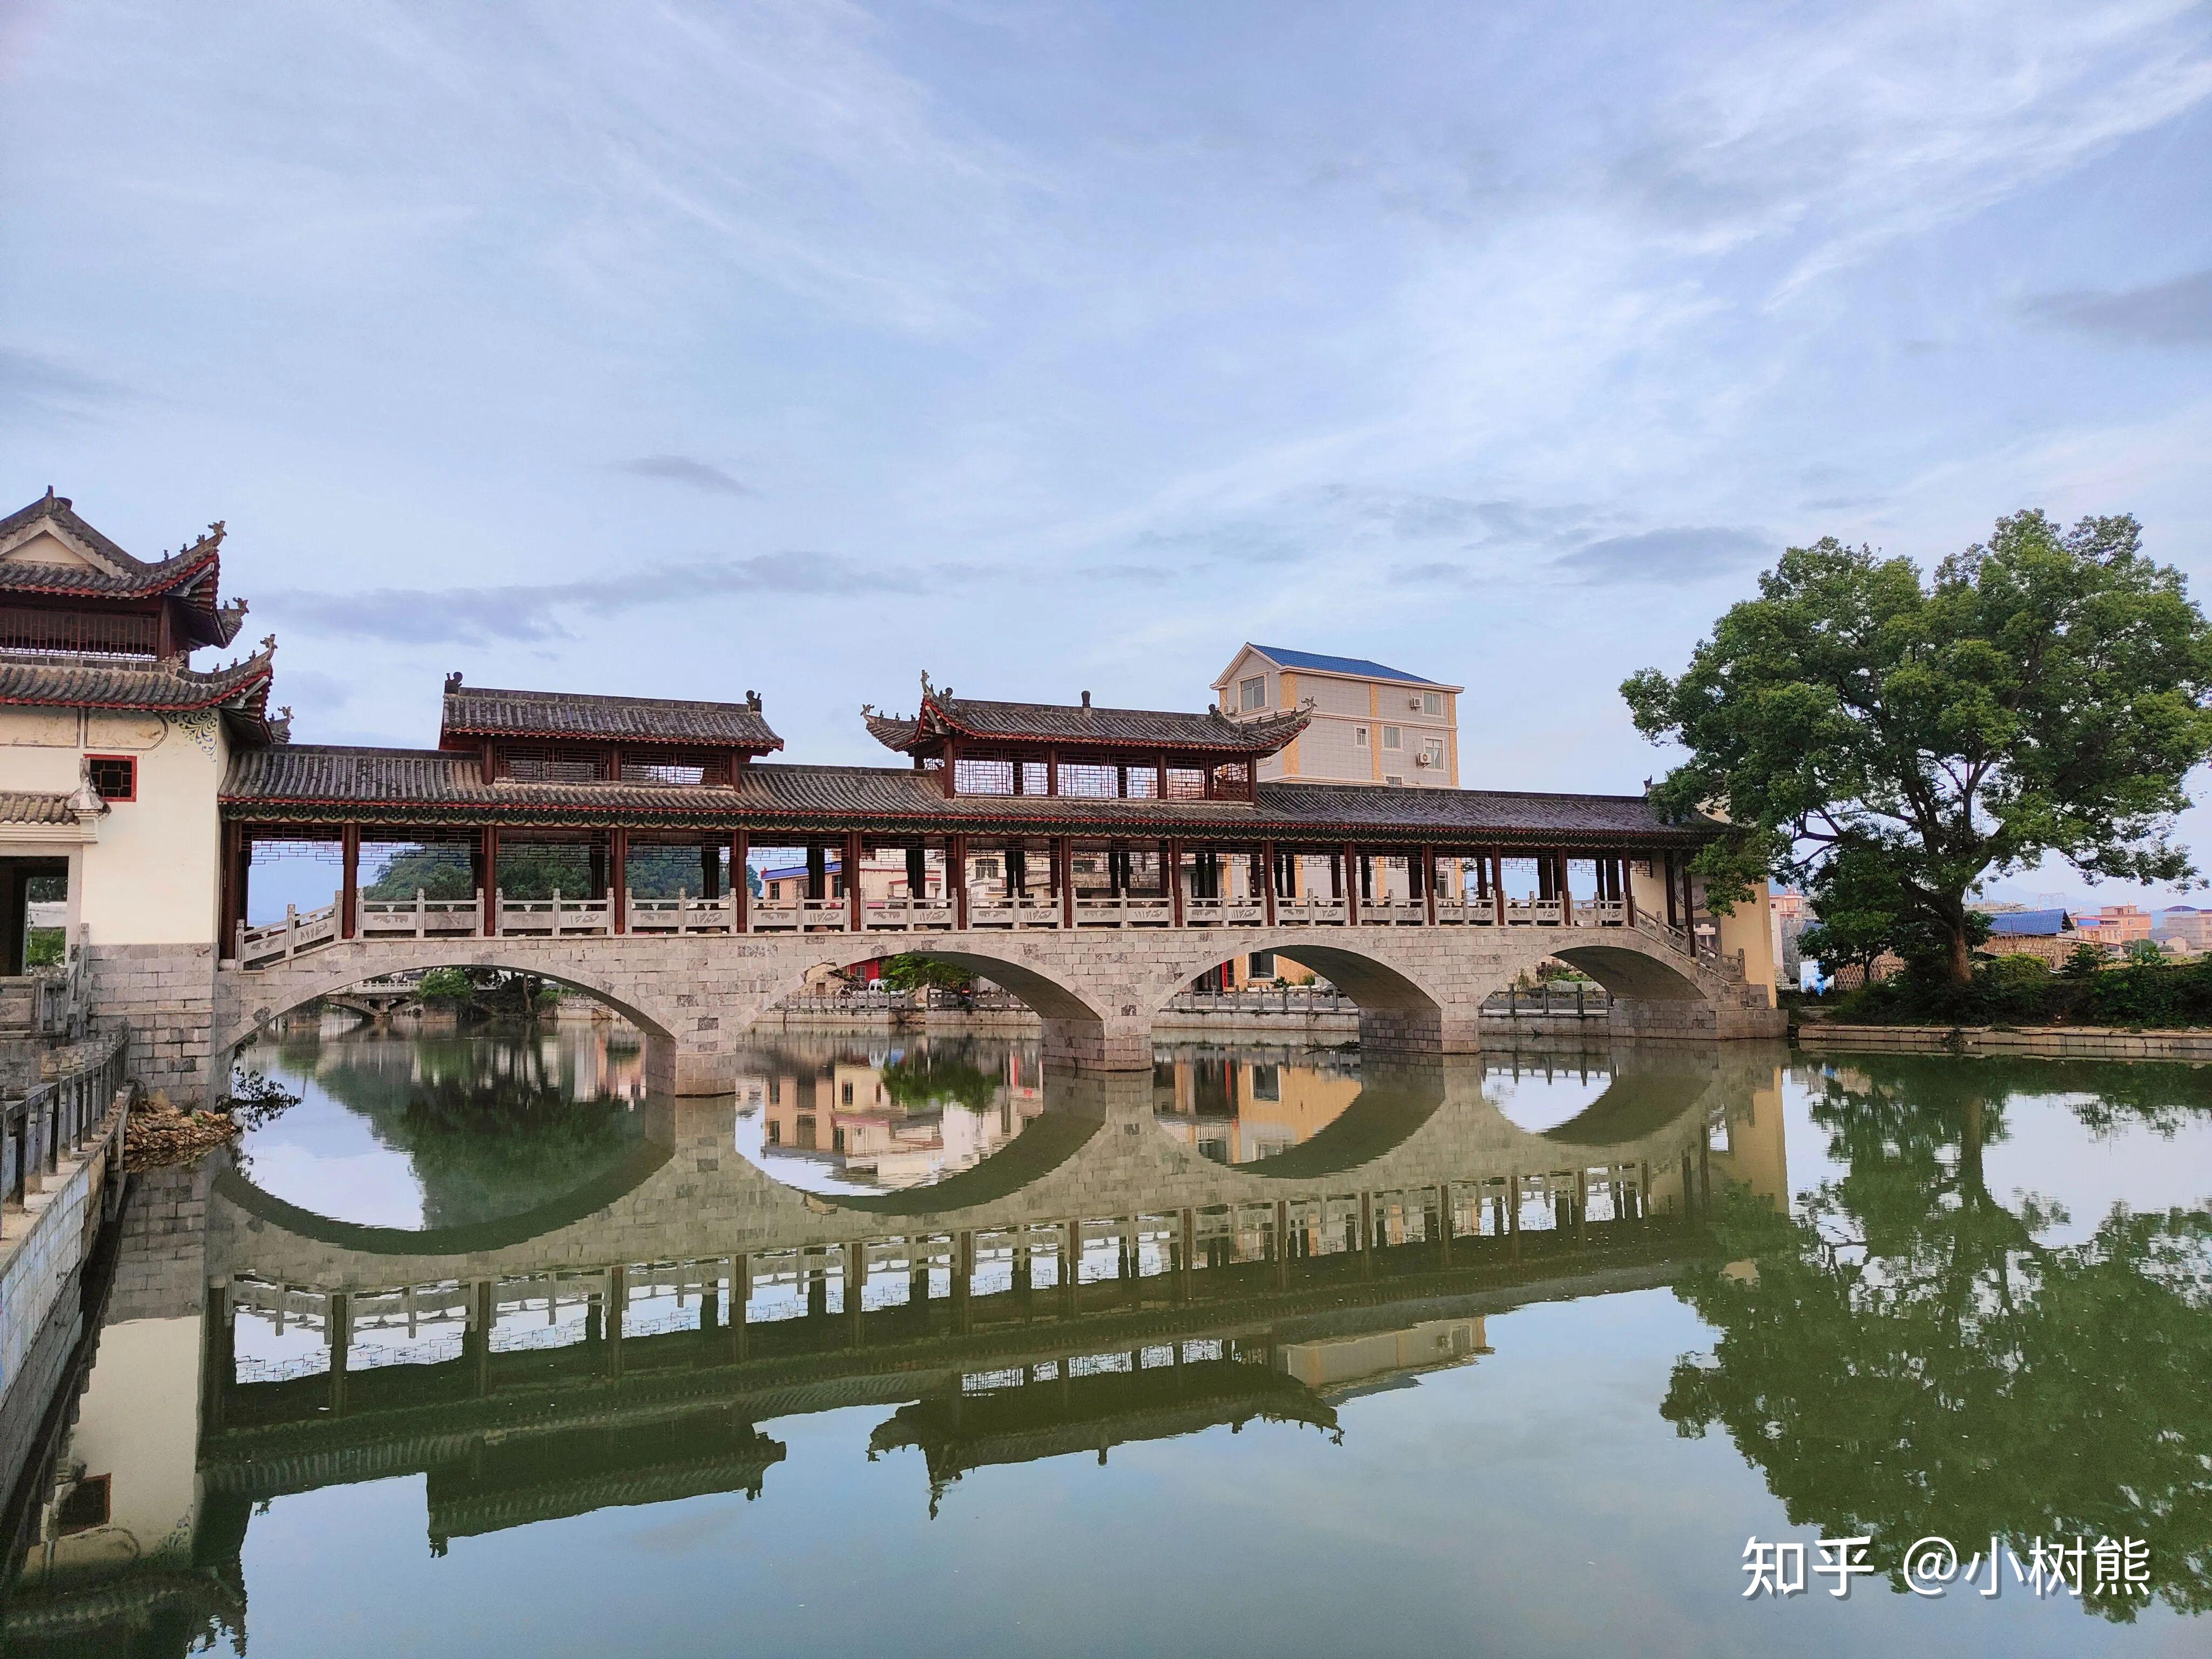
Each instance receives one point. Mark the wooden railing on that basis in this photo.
(561, 915)
(56, 1118)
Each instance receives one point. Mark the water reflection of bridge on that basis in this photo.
(1121, 1289)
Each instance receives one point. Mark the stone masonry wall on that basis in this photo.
(164, 995)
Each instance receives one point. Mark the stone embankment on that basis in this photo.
(2057, 1042)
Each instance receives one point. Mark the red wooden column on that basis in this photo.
(741, 890)
(1428, 885)
(1498, 887)
(853, 910)
(1063, 872)
(1628, 889)
(487, 853)
(956, 878)
(1172, 865)
(349, 882)
(1268, 885)
(231, 904)
(619, 880)
(1350, 885)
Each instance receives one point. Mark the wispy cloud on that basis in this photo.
(422, 616)
(686, 470)
(1682, 553)
(2176, 313)
(34, 384)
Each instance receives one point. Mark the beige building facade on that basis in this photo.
(1370, 723)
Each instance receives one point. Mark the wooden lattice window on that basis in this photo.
(555, 765)
(983, 774)
(1088, 780)
(1144, 778)
(1186, 783)
(674, 770)
(1233, 781)
(91, 632)
(115, 776)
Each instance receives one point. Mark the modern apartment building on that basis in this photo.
(1372, 723)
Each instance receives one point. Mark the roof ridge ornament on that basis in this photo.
(85, 800)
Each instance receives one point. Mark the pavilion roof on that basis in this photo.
(147, 685)
(483, 712)
(1080, 726)
(103, 570)
(306, 782)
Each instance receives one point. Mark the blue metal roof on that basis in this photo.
(2030, 922)
(1359, 665)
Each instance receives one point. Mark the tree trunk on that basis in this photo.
(1962, 956)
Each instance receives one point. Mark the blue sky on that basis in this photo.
(684, 349)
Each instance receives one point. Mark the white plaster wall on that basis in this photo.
(138, 1424)
(151, 877)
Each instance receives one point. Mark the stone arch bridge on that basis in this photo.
(1420, 991)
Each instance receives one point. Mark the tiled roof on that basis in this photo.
(164, 686)
(480, 711)
(193, 575)
(1358, 666)
(301, 781)
(24, 806)
(1082, 726)
(2030, 923)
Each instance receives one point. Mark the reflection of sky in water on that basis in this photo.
(1533, 1100)
(323, 1155)
(2046, 1150)
(328, 1153)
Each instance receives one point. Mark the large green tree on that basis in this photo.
(2047, 692)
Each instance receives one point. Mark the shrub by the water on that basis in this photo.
(2021, 990)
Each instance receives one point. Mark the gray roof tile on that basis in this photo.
(393, 785)
(482, 712)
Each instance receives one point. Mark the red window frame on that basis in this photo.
(130, 762)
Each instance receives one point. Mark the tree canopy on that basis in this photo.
(2047, 692)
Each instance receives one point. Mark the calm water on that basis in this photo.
(1260, 1354)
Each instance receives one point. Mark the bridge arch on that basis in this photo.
(262, 998)
(1411, 1002)
(1075, 1020)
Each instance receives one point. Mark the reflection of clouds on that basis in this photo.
(2071, 1169)
(372, 1188)
(1536, 1100)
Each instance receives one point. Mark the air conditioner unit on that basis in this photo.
(1422, 760)
(1413, 703)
